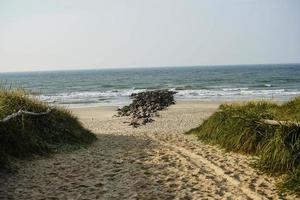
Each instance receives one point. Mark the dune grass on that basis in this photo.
(24, 136)
(235, 127)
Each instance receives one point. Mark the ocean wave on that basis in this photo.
(87, 96)
(264, 85)
(122, 96)
(183, 87)
(237, 93)
(235, 89)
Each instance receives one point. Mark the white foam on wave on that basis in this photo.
(234, 89)
(121, 97)
(236, 93)
(87, 96)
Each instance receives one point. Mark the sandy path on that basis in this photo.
(155, 161)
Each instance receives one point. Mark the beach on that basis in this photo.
(149, 100)
(153, 161)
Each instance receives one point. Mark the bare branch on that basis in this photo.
(278, 123)
(21, 112)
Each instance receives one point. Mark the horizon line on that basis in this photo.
(145, 67)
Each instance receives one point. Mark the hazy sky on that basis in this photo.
(74, 34)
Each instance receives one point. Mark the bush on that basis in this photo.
(27, 135)
(236, 128)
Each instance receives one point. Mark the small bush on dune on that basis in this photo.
(26, 135)
(237, 127)
(281, 152)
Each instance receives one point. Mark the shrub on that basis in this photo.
(237, 127)
(27, 135)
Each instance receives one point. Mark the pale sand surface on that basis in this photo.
(155, 161)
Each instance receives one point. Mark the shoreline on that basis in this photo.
(116, 105)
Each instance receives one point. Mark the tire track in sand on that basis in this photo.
(199, 161)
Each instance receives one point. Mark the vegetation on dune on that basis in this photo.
(28, 135)
(239, 127)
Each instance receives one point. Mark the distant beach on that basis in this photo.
(112, 87)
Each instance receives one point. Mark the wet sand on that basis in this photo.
(154, 161)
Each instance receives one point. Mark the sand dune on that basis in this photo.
(155, 161)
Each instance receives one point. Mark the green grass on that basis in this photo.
(27, 135)
(234, 127)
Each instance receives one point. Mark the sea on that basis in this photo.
(84, 88)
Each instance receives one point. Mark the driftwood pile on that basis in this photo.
(145, 105)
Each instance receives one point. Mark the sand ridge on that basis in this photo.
(155, 161)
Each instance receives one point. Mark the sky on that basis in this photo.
(89, 34)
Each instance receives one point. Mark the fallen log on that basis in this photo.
(21, 112)
(278, 123)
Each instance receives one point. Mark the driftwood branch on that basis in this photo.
(21, 112)
(278, 123)
(273, 122)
